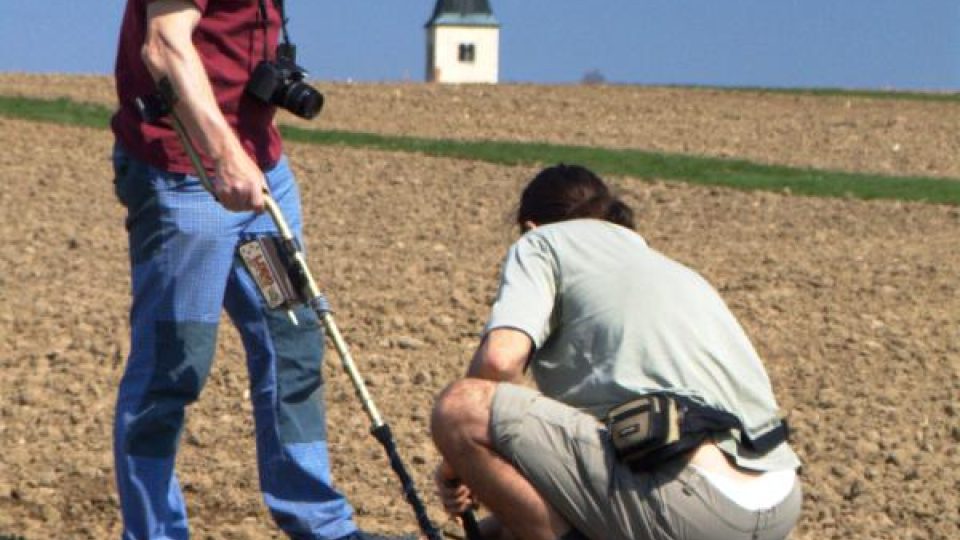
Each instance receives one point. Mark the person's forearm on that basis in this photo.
(168, 51)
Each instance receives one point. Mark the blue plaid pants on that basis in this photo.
(184, 272)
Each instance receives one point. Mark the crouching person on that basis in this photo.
(652, 418)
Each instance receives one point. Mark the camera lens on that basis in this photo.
(302, 100)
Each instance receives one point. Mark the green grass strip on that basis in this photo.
(734, 173)
(937, 96)
(739, 174)
(57, 111)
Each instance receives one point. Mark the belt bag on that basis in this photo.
(653, 428)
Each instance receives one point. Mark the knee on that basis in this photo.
(154, 432)
(462, 408)
(299, 351)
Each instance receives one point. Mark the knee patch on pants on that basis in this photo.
(299, 350)
(183, 354)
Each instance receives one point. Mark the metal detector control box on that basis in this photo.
(263, 258)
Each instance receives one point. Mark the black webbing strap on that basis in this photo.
(283, 19)
(697, 418)
(263, 21)
(769, 440)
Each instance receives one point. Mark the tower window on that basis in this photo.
(467, 52)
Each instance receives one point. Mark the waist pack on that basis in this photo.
(653, 428)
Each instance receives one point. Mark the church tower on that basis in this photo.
(463, 43)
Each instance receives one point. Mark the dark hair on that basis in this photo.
(565, 192)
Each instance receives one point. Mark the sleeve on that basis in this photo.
(528, 289)
(200, 4)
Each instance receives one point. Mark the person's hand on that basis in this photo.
(239, 183)
(454, 494)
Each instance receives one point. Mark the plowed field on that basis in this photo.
(854, 306)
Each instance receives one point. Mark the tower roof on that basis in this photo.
(463, 13)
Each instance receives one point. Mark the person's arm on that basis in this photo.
(501, 356)
(168, 51)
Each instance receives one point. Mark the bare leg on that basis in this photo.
(460, 428)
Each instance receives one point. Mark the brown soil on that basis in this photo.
(855, 306)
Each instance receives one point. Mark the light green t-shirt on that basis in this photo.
(612, 318)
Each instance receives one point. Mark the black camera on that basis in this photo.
(280, 83)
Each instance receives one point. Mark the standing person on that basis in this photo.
(602, 320)
(182, 246)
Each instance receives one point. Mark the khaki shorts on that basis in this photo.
(566, 454)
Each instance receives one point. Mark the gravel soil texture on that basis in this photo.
(854, 306)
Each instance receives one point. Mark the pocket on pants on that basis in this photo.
(121, 169)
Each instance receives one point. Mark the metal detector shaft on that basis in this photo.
(317, 302)
(380, 430)
(467, 518)
(470, 527)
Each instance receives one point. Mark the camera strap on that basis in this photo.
(264, 22)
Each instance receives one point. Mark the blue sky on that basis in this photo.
(898, 44)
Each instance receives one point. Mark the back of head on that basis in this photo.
(563, 192)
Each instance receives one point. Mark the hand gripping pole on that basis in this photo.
(152, 108)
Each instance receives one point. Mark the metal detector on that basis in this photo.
(152, 108)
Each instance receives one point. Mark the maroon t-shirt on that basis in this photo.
(230, 40)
